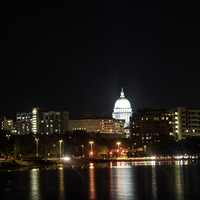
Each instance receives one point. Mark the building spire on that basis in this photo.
(122, 93)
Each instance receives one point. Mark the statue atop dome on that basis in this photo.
(122, 93)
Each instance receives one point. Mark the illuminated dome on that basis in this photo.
(122, 109)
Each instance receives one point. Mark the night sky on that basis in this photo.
(76, 55)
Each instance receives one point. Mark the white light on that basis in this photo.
(178, 157)
(35, 111)
(153, 158)
(66, 158)
(35, 170)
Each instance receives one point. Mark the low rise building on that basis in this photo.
(95, 125)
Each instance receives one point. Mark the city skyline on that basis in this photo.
(99, 100)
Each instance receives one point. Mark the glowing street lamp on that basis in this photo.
(91, 148)
(118, 146)
(36, 146)
(60, 147)
(82, 148)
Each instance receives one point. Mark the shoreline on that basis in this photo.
(17, 164)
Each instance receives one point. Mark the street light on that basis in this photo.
(118, 146)
(36, 146)
(60, 147)
(82, 148)
(91, 148)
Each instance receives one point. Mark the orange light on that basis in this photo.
(91, 166)
(91, 153)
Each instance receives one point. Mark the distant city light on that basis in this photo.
(91, 142)
(66, 158)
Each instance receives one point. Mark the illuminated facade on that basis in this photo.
(122, 109)
(35, 121)
(105, 126)
(7, 125)
(186, 122)
(40, 122)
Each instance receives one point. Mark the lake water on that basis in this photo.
(117, 181)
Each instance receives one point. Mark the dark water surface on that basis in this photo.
(116, 181)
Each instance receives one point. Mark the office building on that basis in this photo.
(24, 123)
(42, 122)
(151, 126)
(54, 122)
(186, 122)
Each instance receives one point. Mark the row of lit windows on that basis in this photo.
(79, 129)
(147, 134)
(154, 118)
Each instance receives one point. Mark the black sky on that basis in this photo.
(77, 55)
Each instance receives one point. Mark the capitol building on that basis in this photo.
(122, 109)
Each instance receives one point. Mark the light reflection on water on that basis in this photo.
(61, 184)
(179, 182)
(122, 182)
(154, 182)
(117, 180)
(92, 185)
(35, 184)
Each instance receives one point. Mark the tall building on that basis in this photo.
(40, 122)
(186, 122)
(150, 126)
(54, 122)
(122, 109)
(24, 123)
(97, 125)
